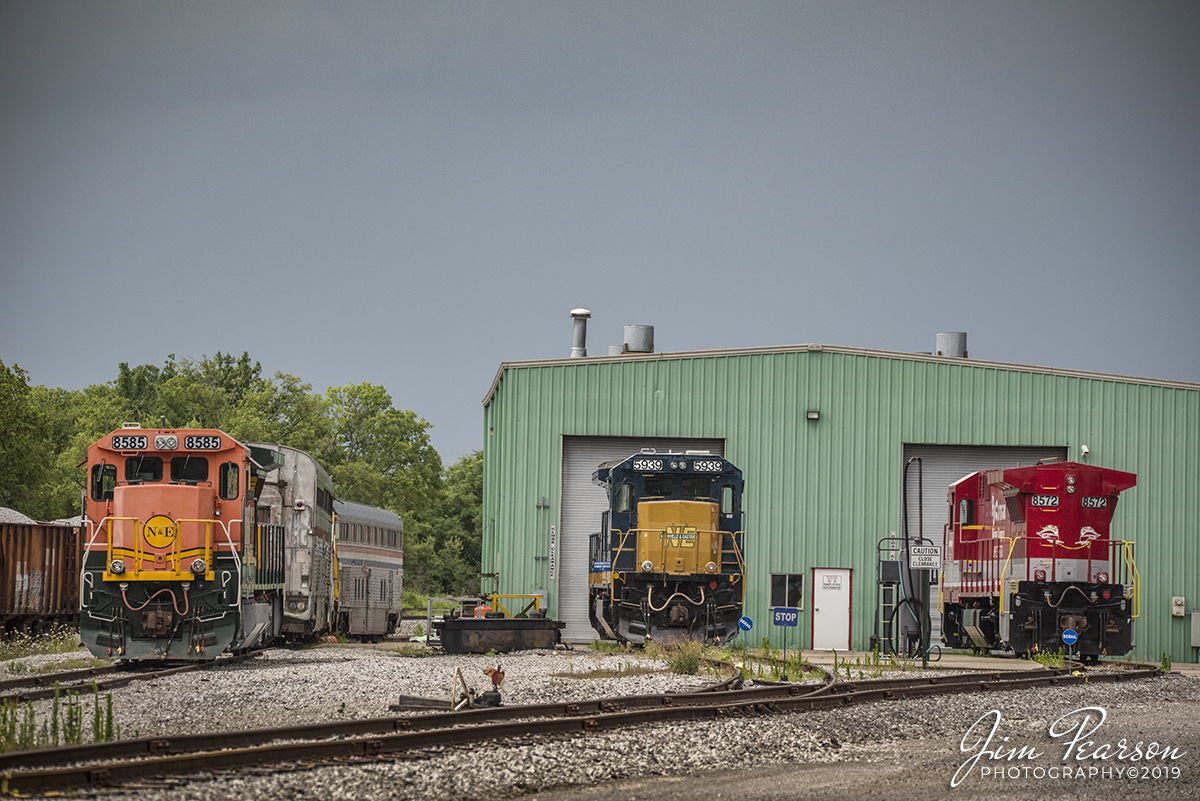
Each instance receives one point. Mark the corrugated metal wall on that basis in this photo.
(821, 493)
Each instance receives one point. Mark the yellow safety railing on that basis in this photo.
(978, 580)
(1132, 569)
(741, 563)
(536, 603)
(174, 555)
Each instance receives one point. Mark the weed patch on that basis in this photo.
(58, 640)
(67, 725)
(620, 671)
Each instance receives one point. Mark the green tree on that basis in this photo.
(186, 393)
(463, 506)
(371, 437)
(23, 443)
(283, 410)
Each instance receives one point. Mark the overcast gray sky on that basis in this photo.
(410, 193)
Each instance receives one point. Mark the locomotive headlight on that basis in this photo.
(647, 566)
(198, 566)
(1102, 578)
(117, 567)
(711, 567)
(166, 442)
(1039, 575)
(674, 465)
(1070, 479)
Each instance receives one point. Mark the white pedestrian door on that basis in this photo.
(831, 609)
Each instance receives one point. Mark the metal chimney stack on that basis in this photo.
(952, 344)
(639, 339)
(579, 340)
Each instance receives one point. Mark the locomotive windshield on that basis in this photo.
(143, 468)
(186, 468)
(658, 486)
(695, 487)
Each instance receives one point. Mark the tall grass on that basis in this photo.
(683, 657)
(20, 730)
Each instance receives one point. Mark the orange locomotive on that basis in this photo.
(175, 565)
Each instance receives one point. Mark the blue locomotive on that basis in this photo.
(669, 560)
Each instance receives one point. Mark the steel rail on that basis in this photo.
(194, 743)
(112, 684)
(581, 720)
(46, 679)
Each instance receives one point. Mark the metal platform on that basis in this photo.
(465, 635)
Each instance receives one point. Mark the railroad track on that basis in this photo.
(43, 684)
(56, 769)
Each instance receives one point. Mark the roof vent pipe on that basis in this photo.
(952, 344)
(639, 339)
(614, 350)
(579, 340)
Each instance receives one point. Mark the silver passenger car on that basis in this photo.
(370, 555)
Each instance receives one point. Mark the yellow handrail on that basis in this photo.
(109, 561)
(537, 603)
(1012, 544)
(208, 546)
(1130, 562)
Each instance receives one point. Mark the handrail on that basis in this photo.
(536, 604)
(1012, 544)
(208, 548)
(984, 582)
(737, 552)
(1130, 562)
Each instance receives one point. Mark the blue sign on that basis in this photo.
(601, 566)
(1070, 636)
(787, 616)
(745, 623)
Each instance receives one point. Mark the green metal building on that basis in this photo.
(822, 435)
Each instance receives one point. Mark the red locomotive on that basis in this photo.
(1028, 555)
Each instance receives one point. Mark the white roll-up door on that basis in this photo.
(941, 466)
(582, 504)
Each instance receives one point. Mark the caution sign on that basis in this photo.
(160, 531)
(925, 557)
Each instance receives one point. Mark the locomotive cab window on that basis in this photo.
(143, 468)
(624, 499)
(229, 481)
(104, 478)
(659, 486)
(189, 468)
(966, 512)
(728, 499)
(695, 487)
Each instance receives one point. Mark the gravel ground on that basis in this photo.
(330, 683)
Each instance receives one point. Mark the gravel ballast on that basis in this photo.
(339, 683)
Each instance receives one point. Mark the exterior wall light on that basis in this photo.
(813, 414)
